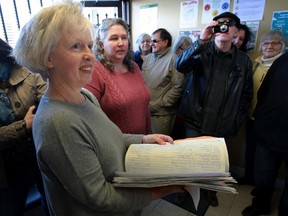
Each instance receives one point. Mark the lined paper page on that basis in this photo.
(183, 157)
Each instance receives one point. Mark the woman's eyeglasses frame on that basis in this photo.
(272, 43)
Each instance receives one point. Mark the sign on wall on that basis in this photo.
(189, 14)
(212, 8)
(280, 22)
(148, 18)
(249, 10)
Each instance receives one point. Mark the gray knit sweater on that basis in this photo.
(79, 149)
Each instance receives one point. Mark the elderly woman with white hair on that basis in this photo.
(272, 46)
(267, 125)
(144, 48)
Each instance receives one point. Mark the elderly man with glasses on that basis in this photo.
(164, 82)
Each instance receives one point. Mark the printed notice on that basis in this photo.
(249, 10)
(189, 14)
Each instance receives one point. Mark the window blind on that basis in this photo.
(14, 15)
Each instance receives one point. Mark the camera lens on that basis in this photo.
(223, 28)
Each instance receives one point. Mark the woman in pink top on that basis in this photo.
(117, 81)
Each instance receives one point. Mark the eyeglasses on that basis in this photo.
(273, 43)
(146, 41)
(155, 41)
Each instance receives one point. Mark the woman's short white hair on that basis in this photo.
(41, 34)
(273, 35)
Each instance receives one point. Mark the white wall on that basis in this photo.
(169, 16)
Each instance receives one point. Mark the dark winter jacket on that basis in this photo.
(271, 113)
(218, 88)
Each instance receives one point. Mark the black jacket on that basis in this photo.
(271, 113)
(218, 90)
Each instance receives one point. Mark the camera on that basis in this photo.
(221, 27)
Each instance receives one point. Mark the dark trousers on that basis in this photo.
(267, 165)
(184, 200)
(20, 177)
(250, 150)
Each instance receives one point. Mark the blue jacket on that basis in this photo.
(138, 59)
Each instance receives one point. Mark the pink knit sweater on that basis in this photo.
(124, 98)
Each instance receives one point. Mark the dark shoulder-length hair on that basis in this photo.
(247, 38)
(6, 55)
(100, 36)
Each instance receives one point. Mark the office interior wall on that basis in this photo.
(169, 17)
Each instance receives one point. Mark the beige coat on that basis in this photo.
(27, 89)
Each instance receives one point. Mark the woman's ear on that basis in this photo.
(101, 44)
(49, 63)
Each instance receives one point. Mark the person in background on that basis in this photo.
(20, 92)
(272, 46)
(194, 35)
(144, 48)
(271, 117)
(219, 86)
(78, 148)
(181, 43)
(117, 81)
(164, 82)
(244, 35)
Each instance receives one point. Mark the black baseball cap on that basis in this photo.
(230, 16)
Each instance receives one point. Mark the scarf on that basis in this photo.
(269, 61)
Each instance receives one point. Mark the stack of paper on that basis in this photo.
(201, 162)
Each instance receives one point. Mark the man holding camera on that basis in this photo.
(218, 87)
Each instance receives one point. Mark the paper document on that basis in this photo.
(184, 157)
(193, 163)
